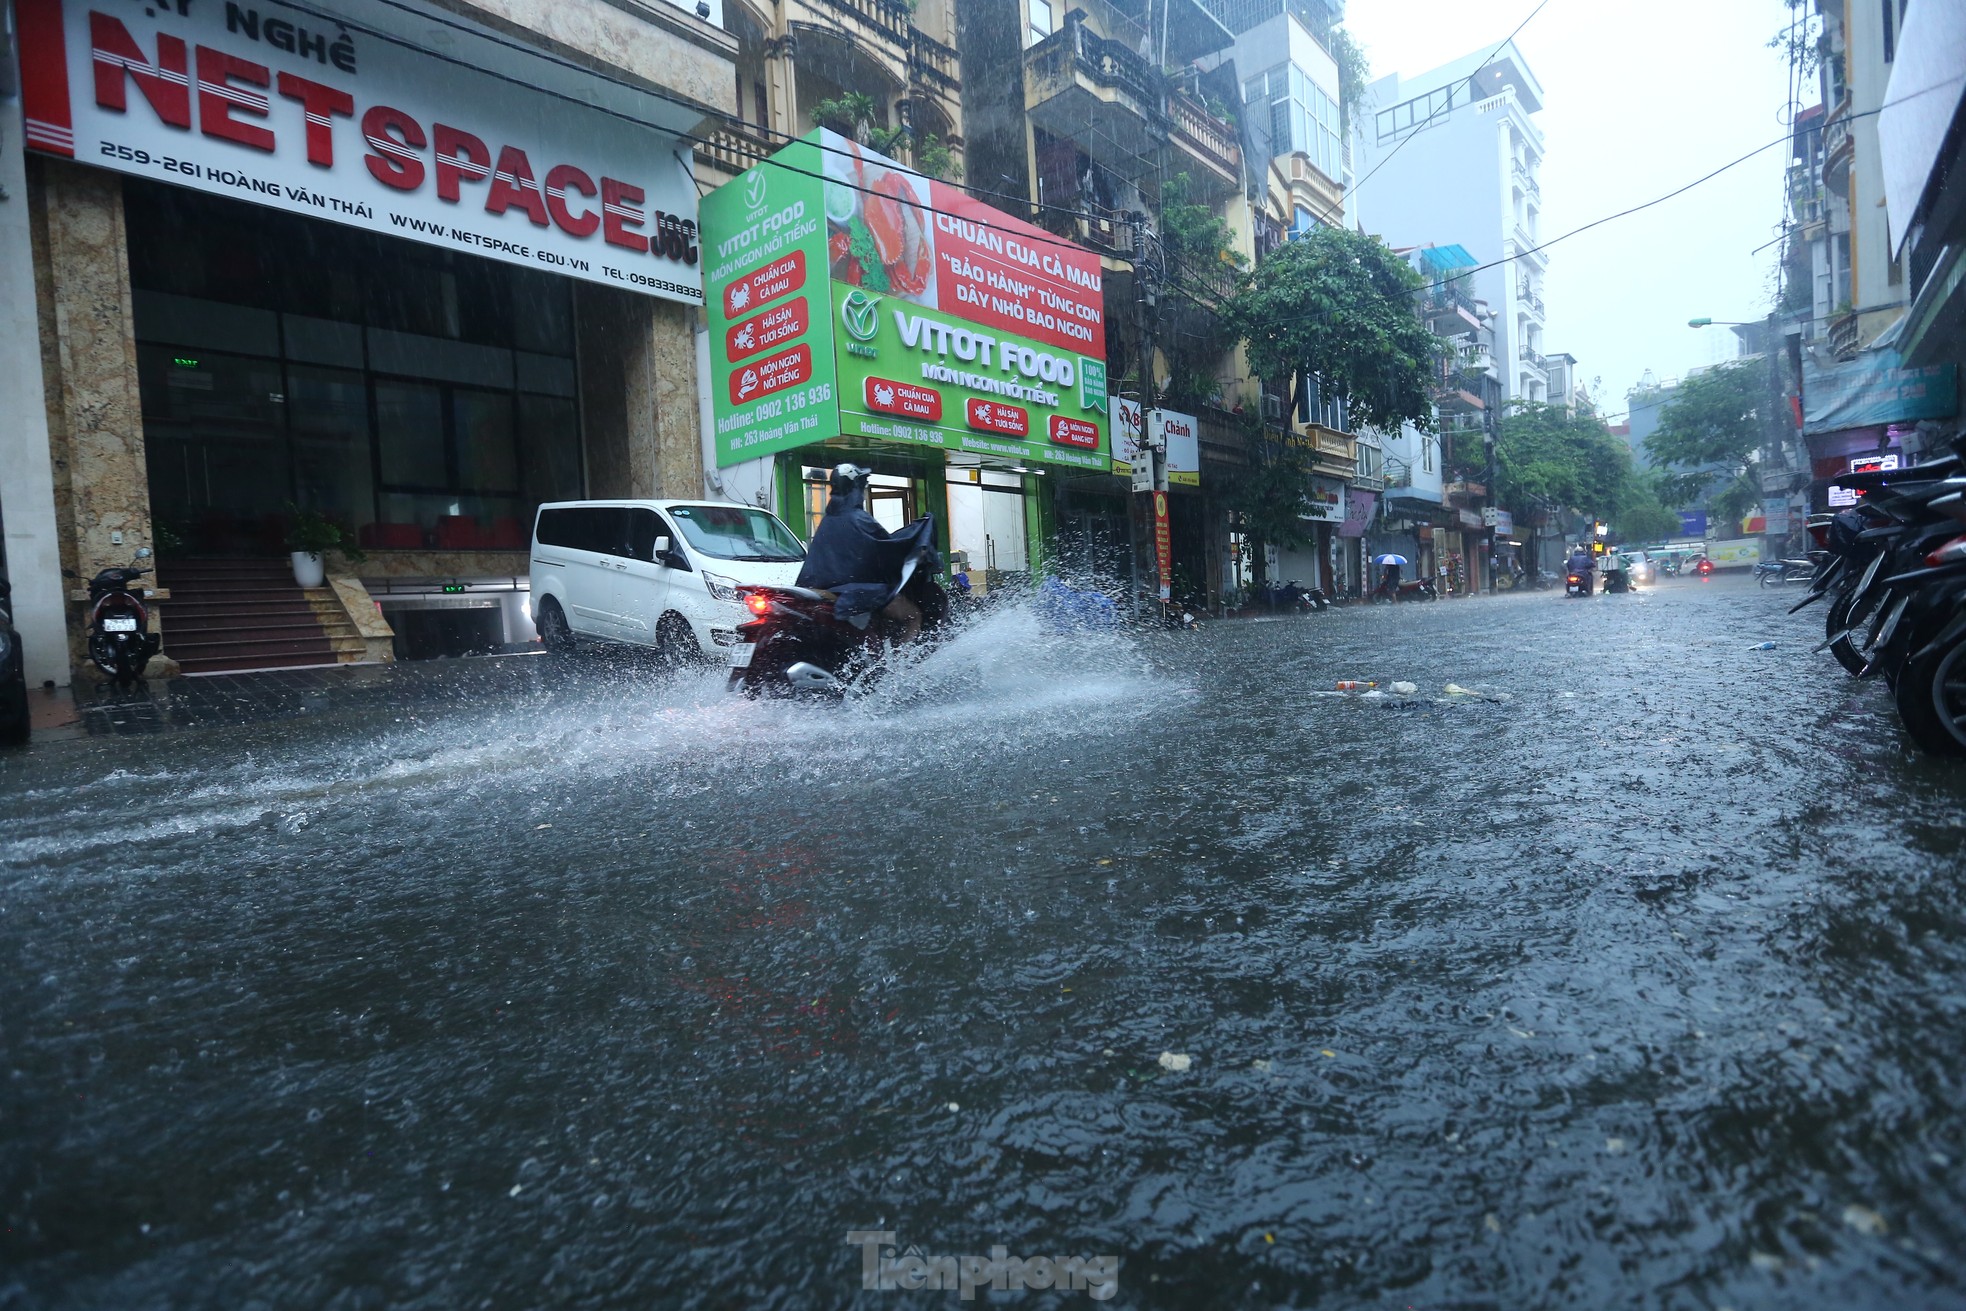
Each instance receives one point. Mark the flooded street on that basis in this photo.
(1634, 976)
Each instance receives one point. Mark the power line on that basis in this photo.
(1422, 126)
(1048, 239)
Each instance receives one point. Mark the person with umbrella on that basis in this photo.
(1389, 576)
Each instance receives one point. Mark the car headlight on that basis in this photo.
(724, 589)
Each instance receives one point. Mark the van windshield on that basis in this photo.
(736, 532)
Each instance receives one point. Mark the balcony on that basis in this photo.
(932, 63)
(1333, 453)
(1524, 249)
(1082, 87)
(887, 18)
(1839, 148)
(1843, 335)
(1527, 179)
(1529, 299)
(1206, 140)
(1450, 311)
(733, 148)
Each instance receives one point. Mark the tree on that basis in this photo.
(1707, 438)
(1340, 306)
(1202, 269)
(1545, 457)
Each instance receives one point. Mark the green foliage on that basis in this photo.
(1546, 458)
(1354, 75)
(1269, 496)
(937, 160)
(1202, 270)
(1342, 306)
(1709, 431)
(314, 533)
(858, 115)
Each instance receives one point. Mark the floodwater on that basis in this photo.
(1636, 979)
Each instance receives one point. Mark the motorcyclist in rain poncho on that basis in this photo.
(852, 555)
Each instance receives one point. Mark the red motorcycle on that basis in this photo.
(1704, 567)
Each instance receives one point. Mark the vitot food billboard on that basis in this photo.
(852, 297)
(281, 105)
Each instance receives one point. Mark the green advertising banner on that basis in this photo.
(769, 302)
(851, 297)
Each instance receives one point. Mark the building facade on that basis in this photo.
(413, 275)
(1456, 151)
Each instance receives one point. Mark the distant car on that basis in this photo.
(1642, 567)
(13, 675)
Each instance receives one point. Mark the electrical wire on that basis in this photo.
(1023, 234)
(1353, 190)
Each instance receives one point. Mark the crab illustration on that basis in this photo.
(740, 296)
(883, 395)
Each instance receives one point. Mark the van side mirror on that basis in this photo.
(661, 547)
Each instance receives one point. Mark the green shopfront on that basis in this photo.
(860, 311)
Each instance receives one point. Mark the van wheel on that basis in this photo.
(554, 632)
(675, 642)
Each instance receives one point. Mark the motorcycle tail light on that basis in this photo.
(1953, 552)
(1820, 533)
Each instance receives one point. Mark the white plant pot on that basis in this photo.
(308, 569)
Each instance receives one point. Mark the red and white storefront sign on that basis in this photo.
(995, 416)
(763, 331)
(279, 106)
(774, 373)
(906, 399)
(1074, 432)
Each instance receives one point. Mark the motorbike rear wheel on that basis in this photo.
(1931, 697)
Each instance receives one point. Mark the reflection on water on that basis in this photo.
(623, 991)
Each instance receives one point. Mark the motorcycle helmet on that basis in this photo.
(846, 476)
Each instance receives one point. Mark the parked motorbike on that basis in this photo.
(119, 641)
(1894, 574)
(1780, 573)
(1289, 598)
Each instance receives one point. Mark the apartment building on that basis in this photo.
(1455, 153)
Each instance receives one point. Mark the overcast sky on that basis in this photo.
(1638, 99)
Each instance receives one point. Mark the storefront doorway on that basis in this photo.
(420, 399)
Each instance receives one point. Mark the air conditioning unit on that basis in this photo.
(1273, 408)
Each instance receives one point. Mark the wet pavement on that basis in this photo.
(1635, 977)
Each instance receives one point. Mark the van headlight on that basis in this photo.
(724, 589)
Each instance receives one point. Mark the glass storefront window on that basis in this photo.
(420, 399)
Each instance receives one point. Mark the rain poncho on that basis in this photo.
(852, 555)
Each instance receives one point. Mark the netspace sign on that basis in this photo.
(281, 107)
(854, 297)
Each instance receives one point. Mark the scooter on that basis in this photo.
(119, 642)
(1779, 573)
(791, 641)
(1577, 583)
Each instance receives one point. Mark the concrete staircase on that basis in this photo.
(242, 613)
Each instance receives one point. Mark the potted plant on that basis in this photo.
(311, 536)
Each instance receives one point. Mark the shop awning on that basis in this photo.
(1446, 259)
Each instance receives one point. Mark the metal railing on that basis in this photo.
(1207, 136)
(734, 148)
(930, 57)
(891, 18)
(1528, 179)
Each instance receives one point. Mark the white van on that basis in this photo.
(661, 574)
